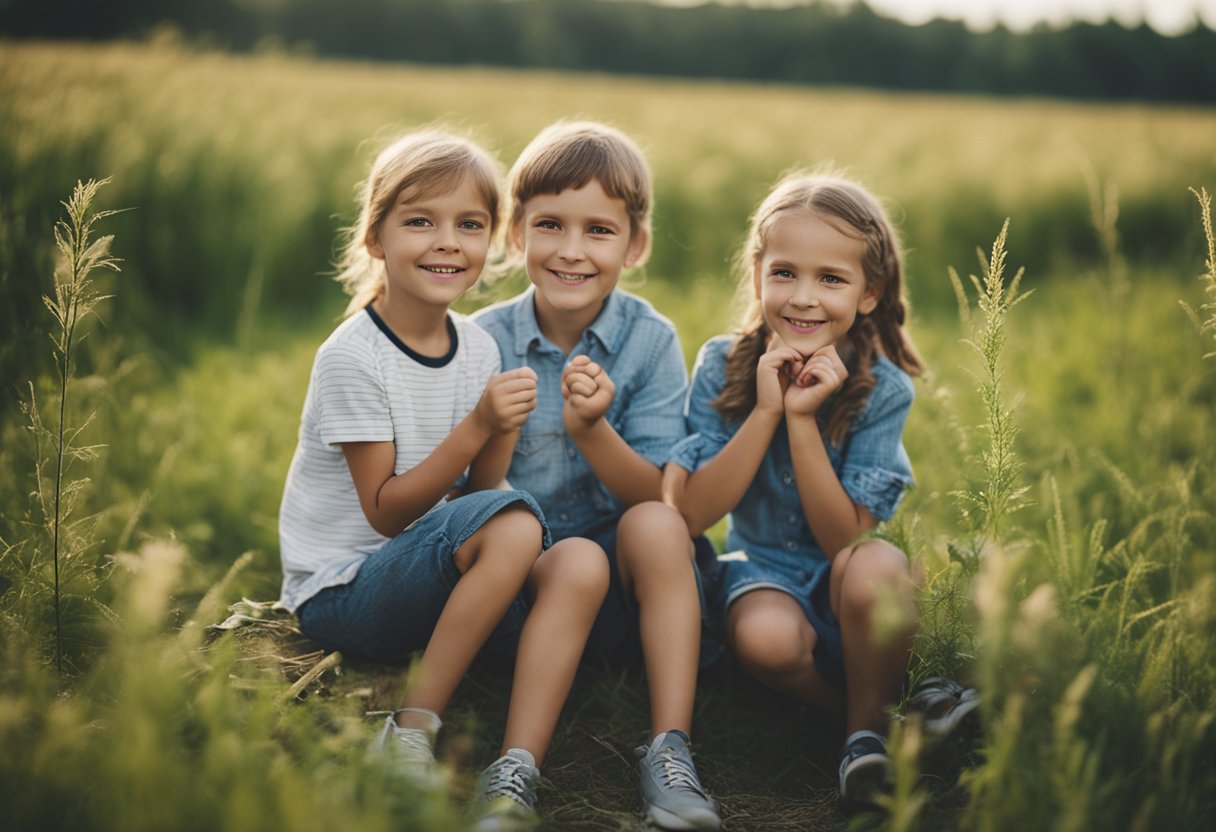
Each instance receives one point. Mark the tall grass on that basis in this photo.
(1065, 462)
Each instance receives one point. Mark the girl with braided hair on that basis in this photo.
(795, 426)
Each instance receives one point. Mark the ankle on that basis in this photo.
(421, 719)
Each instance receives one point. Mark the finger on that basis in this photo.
(578, 361)
(582, 387)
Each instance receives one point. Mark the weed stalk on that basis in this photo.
(76, 296)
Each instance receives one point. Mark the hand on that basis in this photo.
(774, 371)
(507, 400)
(821, 376)
(588, 392)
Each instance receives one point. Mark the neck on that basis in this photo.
(563, 329)
(421, 327)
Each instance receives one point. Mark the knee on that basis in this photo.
(652, 538)
(511, 540)
(874, 573)
(770, 645)
(576, 565)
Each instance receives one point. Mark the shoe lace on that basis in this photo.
(676, 771)
(507, 779)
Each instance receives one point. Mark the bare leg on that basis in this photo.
(864, 577)
(654, 556)
(774, 642)
(495, 563)
(567, 585)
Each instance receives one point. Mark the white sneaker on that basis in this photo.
(410, 752)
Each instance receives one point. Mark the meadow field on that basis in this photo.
(1064, 517)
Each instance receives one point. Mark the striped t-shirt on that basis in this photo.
(367, 386)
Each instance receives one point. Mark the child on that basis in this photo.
(795, 425)
(611, 382)
(404, 407)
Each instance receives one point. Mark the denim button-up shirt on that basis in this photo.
(769, 523)
(640, 351)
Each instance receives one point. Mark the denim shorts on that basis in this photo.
(616, 635)
(734, 574)
(388, 612)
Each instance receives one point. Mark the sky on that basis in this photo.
(1167, 16)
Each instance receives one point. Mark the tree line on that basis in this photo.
(810, 43)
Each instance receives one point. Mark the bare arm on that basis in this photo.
(713, 490)
(491, 465)
(835, 520)
(392, 501)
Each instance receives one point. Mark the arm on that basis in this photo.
(513, 395)
(627, 474)
(392, 501)
(717, 486)
(835, 520)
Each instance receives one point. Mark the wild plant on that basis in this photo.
(1208, 323)
(58, 446)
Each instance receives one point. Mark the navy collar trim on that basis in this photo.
(424, 360)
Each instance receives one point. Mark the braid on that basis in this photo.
(738, 396)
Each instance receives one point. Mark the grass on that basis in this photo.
(1085, 605)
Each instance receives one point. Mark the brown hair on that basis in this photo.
(855, 211)
(571, 154)
(429, 162)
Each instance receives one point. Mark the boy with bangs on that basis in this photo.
(611, 384)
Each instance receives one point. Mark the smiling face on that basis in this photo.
(576, 243)
(433, 247)
(809, 280)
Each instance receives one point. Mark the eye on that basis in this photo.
(548, 225)
(472, 225)
(417, 222)
(832, 279)
(600, 230)
(783, 274)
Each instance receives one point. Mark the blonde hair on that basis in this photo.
(427, 162)
(571, 154)
(854, 211)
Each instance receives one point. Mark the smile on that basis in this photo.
(571, 278)
(443, 270)
(801, 325)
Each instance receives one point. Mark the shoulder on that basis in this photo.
(355, 337)
(472, 332)
(713, 353)
(893, 388)
(498, 316)
(638, 312)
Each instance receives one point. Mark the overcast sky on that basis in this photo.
(1169, 16)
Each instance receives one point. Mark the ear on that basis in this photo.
(372, 242)
(515, 235)
(637, 246)
(869, 301)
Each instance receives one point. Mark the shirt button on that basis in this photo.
(570, 452)
(564, 517)
(791, 545)
(787, 478)
(793, 518)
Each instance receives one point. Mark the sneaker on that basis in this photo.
(865, 770)
(945, 706)
(409, 752)
(672, 797)
(506, 793)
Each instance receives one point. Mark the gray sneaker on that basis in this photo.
(672, 797)
(865, 771)
(506, 793)
(946, 707)
(409, 752)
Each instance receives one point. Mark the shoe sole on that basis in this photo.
(674, 823)
(864, 780)
(965, 714)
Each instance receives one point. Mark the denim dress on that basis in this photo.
(769, 544)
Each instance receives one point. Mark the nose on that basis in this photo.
(445, 238)
(804, 294)
(570, 248)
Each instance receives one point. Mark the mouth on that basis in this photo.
(803, 325)
(571, 278)
(445, 272)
